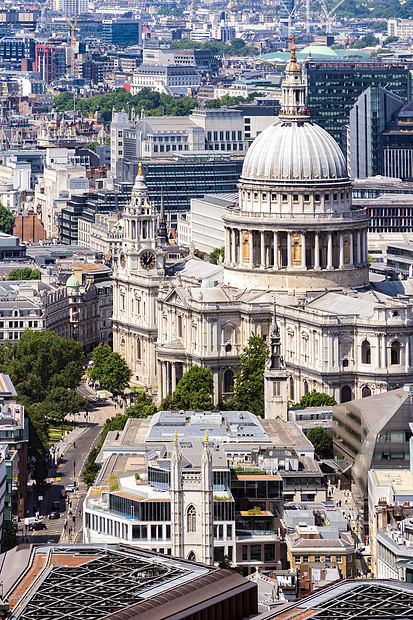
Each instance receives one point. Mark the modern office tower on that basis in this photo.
(121, 32)
(333, 88)
(369, 117)
(51, 61)
(73, 7)
(397, 145)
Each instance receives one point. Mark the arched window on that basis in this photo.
(228, 381)
(305, 387)
(191, 518)
(138, 349)
(191, 556)
(395, 353)
(365, 392)
(346, 394)
(365, 352)
(291, 388)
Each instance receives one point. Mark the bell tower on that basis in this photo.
(275, 377)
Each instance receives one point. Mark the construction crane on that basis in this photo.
(329, 14)
(72, 37)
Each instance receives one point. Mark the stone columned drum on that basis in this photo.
(294, 228)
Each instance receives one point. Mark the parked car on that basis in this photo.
(70, 488)
(54, 515)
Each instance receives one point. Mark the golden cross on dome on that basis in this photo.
(206, 436)
(140, 169)
(176, 436)
(293, 49)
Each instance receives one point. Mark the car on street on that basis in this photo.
(54, 515)
(70, 488)
(37, 526)
(51, 541)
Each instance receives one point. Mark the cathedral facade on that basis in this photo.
(293, 241)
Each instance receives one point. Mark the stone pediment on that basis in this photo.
(176, 297)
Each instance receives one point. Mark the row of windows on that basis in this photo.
(251, 553)
(233, 135)
(19, 324)
(321, 558)
(296, 197)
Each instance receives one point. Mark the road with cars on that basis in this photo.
(67, 527)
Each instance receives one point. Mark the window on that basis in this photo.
(298, 560)
(335, 196)
(395, 353)
(365, 352)
(328, 558)
(317, 197)
(317, 558)
(327, 197)
(339, 559)
(306, 197)
(284, 197)
(245, 553)
(295, 197)
(191, 518)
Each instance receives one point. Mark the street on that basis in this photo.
(75, 450)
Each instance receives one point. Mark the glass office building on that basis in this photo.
(333, 88)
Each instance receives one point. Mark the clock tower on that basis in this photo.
(138, 272)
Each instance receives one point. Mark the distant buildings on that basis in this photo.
(334, 87)
(169, 79)
(51, 61)
(121, 32)
(73, 8)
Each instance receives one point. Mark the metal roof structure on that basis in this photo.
(367, 599)
(96, 582)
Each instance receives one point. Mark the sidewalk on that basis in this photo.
(59, 448)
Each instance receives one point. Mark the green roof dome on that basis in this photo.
(72, 281)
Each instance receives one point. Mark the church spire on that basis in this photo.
(162, 229)
(293, 89)
(276, 361)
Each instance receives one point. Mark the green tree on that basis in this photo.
(315, 399)
(143, 407)
(6, 220)
(369, 40)
(216, 254)
(92, 146)
(321, 440)
(26, 273)
(100, 356)
(45, 369)
(91, 468)
(193, 392)
(249, 382)
(115, 374)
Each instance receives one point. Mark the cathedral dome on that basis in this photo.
(291, 152)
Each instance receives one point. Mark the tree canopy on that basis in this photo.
(193, 392)
(154, 103)
(249, 382)
(237, 47)
(321, 440)
(45, 371)
(6, 220)
(110, 369)
(216, 254)
(315, 399)
(25, 273)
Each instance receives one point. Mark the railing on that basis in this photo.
(357, 214)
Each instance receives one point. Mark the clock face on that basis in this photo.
(147, 260)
